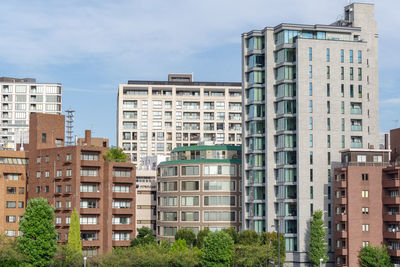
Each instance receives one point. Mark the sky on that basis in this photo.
(92, 46)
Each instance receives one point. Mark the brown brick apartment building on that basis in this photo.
(358, 195)
(12, 187)
(78, 177)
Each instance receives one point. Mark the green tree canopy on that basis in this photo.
(233, 233)
(74, 234)
(249, 237)
(375, 257)
(115, 154)
(186, 234)
(217, 250)
(201, 236)
(253, 255)
(38, 242)
(271, 239)
(10, 255)
(145, 236)
(317, 244)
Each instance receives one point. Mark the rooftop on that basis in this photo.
(201, 148)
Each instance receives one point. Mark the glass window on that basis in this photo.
(217, 185)
(190, 170)
(220, 216)
(310, 54)
(351, 56)
(190, 201)
(190, 186)
(341, 56)
(219, 200)
(328, 55)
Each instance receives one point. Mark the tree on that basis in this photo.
(186, 234)
(38, 242)
(145, 236)
(217, 250)
(66, 257)
(10, 255)
(317, 244)
(201, 236)
(253, 255)
(74, 234)
(249, 237)
(375, 257)
(181, 256)
(271, 239)
(233, 233)
(115, 154)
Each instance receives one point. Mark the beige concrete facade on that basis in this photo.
(310, 91)
(146, 190)
(156, 116)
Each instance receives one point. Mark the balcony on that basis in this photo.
(90, 194)
(123, 195)
(391, 216)
(341, 200)
(341, 184)
(90, 227)
(341, 217)
(391, 234)
(341, 234)
(356, 144)
(122, 227)
(91, 179)
(91, 243)
(355, 111)
(394, 252)
(121, 243)
(341, 251)
(90, 211)
(391, 183)
(125, 211)
(356, 127)
(391, 200)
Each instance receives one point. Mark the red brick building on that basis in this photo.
(358, 206)
(78, 177)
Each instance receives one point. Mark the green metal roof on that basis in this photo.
(199, 148)
(194, 161)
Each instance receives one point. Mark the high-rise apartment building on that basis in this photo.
(20, 97)
(199, 187)
(78, 177)
(309, 91)
(13, 170)
(156, 116)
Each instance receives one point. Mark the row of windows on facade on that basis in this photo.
(187, 126)
(158, 104)
(32, 107)
(195, 186)
(32, 98)
(13, 204)
(181, 92)
(355, 107)
(356, 142)
(342, 56)
(342, 73)
(116, 220)
(33, 89)
(158, 115)
(342, 90)
(68, 157)
(116, 236)
(193, 216)
(194, 170)
(86, 188)
(159, 136)
(193, 201)
(84, 172)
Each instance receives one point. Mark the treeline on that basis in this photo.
(222, 248)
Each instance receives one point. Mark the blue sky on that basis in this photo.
(91, 46)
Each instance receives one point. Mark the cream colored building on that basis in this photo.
(156, 116)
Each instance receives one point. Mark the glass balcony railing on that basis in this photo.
(356, 127)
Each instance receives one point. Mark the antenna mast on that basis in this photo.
(69, 127)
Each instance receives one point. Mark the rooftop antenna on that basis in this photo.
(21, 148)
(69, 127)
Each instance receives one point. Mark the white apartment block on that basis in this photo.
(20, 97)
(309, 92)
(156, 116)
(146, 190)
